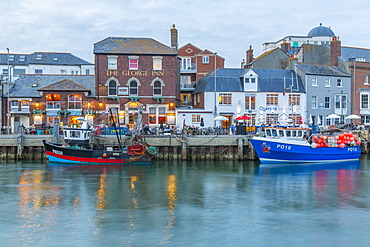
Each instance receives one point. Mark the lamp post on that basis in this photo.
(8, 104)
(354, 84)
(215, 85)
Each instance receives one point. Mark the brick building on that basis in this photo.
(195, 64)
(138, 74)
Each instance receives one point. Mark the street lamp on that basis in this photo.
(353, 100)
(215, 85)
(8, 110)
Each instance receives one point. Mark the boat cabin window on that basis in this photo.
(75, 134)
(268, 132)
(281, 133)
(300, 133)
(294, 133)
(288, 133)
(274, 132)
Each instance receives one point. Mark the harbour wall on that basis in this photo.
(171, 147)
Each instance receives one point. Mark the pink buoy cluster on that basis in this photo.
(321, 141)
(347, 139)
(341, 140)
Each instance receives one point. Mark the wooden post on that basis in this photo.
(184, 148)
(56, 133)
(240, 147)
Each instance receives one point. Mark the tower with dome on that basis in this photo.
(317, 36)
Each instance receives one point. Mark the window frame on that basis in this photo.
(205, 59)
(225, 99)
(133, 62)
(157, 63)
(112, 91)
(112, 62)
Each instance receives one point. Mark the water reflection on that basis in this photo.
(176, 203)
(324, 184)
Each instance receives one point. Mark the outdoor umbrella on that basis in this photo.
(221, 118)
(353, 117)
(332, 116)
(244, 117)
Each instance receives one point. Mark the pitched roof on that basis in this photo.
(46, 58)
(322, 70)
(278, 80)
(269, 80)
(227, 80)
(64, 85)
(30, 85)
(145, 46)
(349, 53)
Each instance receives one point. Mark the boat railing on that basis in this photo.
(113, 130)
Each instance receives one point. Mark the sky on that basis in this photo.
(226, 27)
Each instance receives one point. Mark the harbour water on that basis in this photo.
(175, 203)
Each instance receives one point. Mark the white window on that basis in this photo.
(314, 102)
(365, 101)
(195, 118)
(157, 88)
(340, 101)
(246, 80)
(186, 63)
(327, 102)
(366, 80)
(133, 87)
(314, 82)
(327, 82)
(225, 98)
(87, 72)
(112, 62)
(157, 63)
(112, 88)
(205, 59)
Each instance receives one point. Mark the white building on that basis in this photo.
(267, 96)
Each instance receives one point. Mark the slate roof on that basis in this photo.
(276, 80)
(322, 70)
(30, 85)
(45, 58)
(64, 85)
(348, 53)
(227, 80)
(144, 46)
(269, 80)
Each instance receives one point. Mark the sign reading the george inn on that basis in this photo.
(134, 73)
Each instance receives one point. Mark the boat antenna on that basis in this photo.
(118, 135)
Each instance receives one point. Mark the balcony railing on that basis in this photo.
(187, 85)
(189, 68)
(188, 104)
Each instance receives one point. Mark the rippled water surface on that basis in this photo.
(185, 204)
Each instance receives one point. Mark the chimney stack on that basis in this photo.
(174, 37)
(335, 50)
(285, 46)
(249, 57)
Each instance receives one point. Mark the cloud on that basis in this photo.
(228, 28)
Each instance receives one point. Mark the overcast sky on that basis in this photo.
(226, 27)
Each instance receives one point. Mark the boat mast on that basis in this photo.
(115, 125)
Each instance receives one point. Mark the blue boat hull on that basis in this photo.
(276, 152)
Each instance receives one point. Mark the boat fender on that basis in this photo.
(313, 145)
(104, 155)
